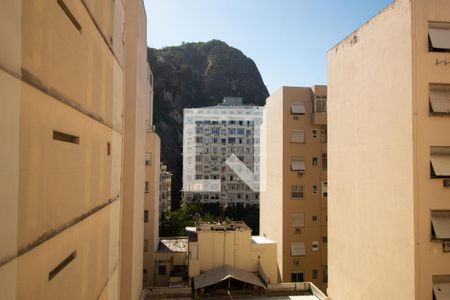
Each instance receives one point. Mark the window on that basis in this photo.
(147, 187)
(199, 139)
(325, 273)
(325, 239)
(314, 273)
(439, 37)
(440, 161)
(314, 218)
(446, 183)
(440, 225)
(62, 265)
(324, 135)
(148, 158)
(324, 161)
(69, 14)
(320, 104)
(298, 136)
(315, 246)
(314, 134)
(314, 161)
(145, 245)
(324, 189)
(314, 189)
(108, 148)
(298, 249)
(145, 216)
(297, 191)
(298, 108)
(65, 137)
(298, 220)
(439, 98)
(297, 277)
(162, 270)
(298, 164)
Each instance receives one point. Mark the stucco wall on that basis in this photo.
(371, 201)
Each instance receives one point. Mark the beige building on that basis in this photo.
(293, 208)
(151, 204)
(165, 190)
(389, 145)
(230, 244)
(171, 262)
(73, 81)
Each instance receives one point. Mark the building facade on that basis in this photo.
(165, 194)
(220, 131)
(389, 145)
(293, 208)
(66, 79)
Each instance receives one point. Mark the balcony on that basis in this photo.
(319, 118)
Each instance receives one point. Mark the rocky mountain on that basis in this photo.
(195, 75)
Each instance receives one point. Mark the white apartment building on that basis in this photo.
(211, 136)
(165, 189)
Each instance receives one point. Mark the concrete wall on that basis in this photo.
(57, 197)
(371, 200)
(137, 93)
(271, 199)
(151, 228)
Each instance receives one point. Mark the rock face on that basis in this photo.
(195, 75)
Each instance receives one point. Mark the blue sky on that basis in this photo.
(287, 39)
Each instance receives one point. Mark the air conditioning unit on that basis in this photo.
(301, 173)
(446, 245)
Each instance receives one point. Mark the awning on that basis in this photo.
(440, 220)
(440, 98)
(441, 290)
(440, 160)
(439, 37)
(219, 274)
(297, 165)
(298, 108)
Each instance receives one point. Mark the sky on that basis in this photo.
(287, 39)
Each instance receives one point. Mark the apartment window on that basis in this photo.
(108, 148)
(145, 274)
(145, 245)
(148, 158)
(298, 220)
(324, 161)
(439, 37)
(446, 183)
(440, 161)
(198, 158)
(324, 135)
(315, 273)
(314, 189)
(162, 270)
(199, 139)
(324, 189)
(297, 277)
(145, 216)
(69, 14)
(314, 133)
(297, 191)
(441, 287)
(147, 187)
(314, 161)
(314, 218)
(55, 271)
(298, 108)
(65, 137)
(298, 164)
(315, 246)
(440, 225)
(325, 239)
(298, 136)
(298, 249)
(439, 98)
(320, 104)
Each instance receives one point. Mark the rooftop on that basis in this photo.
(219, 226)
(258, 239)
(175, 244)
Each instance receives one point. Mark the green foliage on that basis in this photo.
(175, 222)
